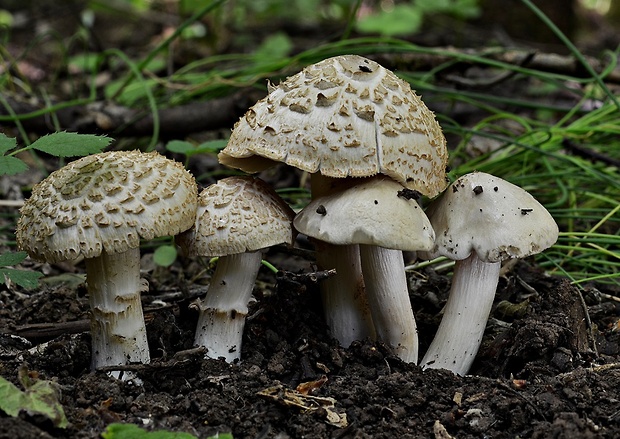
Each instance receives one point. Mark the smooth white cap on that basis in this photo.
(484, 214)
(377, 211)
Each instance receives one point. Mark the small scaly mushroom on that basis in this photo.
(480, 221)
(99, 207)
(236, 218)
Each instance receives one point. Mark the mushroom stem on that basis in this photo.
(388, 296)
(223, 310)
(117, 323)
(465, 316)
(344, 298)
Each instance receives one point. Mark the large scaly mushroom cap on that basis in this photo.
(108, 202)
(345, 116)
(238, 215)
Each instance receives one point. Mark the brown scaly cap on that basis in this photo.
(106, 201)
(345, 116)
(236, 215)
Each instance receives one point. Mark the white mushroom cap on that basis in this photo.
(345, 116)
(238, 215)
(496, 219)
(106, 201)
(378, 211)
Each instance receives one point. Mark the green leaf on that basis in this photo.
(39, 398)
(6, 143)
(10, 259)
(211, 146)
(11, 165)
(24, 278)
(180, 147)
(131, 431)
(63, 144)
(400, 20)
(165, 255)
(275, 46)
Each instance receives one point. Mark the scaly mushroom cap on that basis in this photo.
(379, 212)
(496, 219)
(106, 201)
(345, 116)
(237, 215)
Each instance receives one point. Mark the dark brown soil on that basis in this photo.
(545, 370)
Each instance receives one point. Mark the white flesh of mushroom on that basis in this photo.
(224, 309)
(460, 332)
(117, 322)
(347, 313)
(388, 296)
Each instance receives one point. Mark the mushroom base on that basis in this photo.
(117, 323)
(388, 296)
(345, 305)
(465, 317)
(223, 310)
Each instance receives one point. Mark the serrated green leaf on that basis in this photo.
(23, 278)
(63, 144)
(11, 165)
(131, 431)
(40, 398)
(165, 255)
(10, 259)
(6, 143)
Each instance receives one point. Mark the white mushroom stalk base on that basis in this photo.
(388, 297)
(465, 316)
(117, 323)
(345, 305)
(225, 307)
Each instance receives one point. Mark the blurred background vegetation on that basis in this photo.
(526, 90)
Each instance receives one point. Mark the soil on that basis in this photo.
(548, 366)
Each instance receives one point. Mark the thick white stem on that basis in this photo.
(223, 310)
(344, 298)
(465, 316)
(388, 296)
(117, 322)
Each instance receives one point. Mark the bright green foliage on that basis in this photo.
(61, 144)
(23, 278)
(40, 397)
(131, 431)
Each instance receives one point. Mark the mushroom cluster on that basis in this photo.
(372, 148)
(344, 118)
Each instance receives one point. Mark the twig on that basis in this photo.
(589, 154)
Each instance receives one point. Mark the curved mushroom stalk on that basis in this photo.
(465, 316)
(117, 322)
(223, 310)
(345, 305)
(388, 296)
